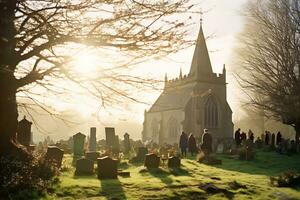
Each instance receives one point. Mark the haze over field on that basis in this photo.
(222, 20)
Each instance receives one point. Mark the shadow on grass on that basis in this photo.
(164, 174)
(179, 172)
(112, 188)
(265, 163)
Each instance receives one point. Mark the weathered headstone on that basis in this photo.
(116, 145)
(127, 146)
(84, 166)
(93, 139)
(78, 144)
(24, 135)
(174, 162)
(110, 136)
(107, 168)
(220, 148)
(54, 156)
(142, 151)
(152, 161)
(140, 156)
(92, 155)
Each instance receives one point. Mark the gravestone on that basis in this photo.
(110, 136)
(249, 143)
(140, 156)
(220, 148)
(152, 160)
(142, 151)
(107, 168)
(127, 146)
(84, 166)
(174, 162)
(116, 145)
(258, 143)
(78, 144)
(92, 155)
(54, 156)
(24, 135)
(93, 139)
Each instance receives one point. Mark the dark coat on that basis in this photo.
(192, 144)
(207, 142)
(237, 137)
(183, 142)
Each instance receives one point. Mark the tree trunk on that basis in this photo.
(297, 129)
(8, 117)
(8, 82)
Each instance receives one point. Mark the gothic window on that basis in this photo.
(155, 129)
(173, 128)
(211, 117)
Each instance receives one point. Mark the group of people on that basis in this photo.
(189, 143)
(242, 137)
(266, 138)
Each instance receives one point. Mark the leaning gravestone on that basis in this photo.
(174, 162)
(78, 144)
(84, 166)
(107, 168)
(54, 156)
(93, 139)
(152, 161)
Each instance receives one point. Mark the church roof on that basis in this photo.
(176, 98)
(201, 65)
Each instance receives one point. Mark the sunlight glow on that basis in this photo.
(85, 63)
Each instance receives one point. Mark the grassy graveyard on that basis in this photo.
(237, 180)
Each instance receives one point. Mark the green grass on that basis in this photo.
(184, 183)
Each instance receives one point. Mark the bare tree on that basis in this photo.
(270, 59)
(39, 37)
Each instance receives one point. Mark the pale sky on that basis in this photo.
(223, 20)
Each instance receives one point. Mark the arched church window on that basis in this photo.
(173, 128)
(211, 117)
(155, 129)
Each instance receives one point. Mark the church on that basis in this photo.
(191, 103)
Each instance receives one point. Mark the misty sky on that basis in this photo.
(223, 20)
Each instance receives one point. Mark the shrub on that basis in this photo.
(25, 178)
(286, 179)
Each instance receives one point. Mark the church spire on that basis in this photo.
(201, 65)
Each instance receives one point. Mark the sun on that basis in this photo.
(85, 63)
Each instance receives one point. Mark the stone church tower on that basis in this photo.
(191, 103)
